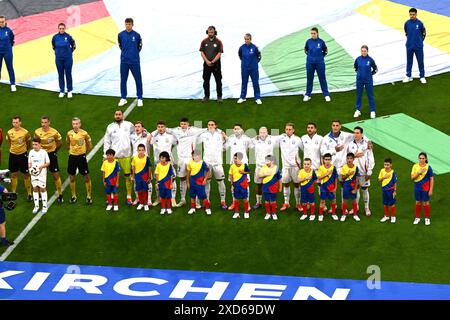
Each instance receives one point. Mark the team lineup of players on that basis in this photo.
(337, 159)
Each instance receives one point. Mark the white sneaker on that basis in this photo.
(335, 217)
(191, 211)
(146, 208)
(122, 102)
(208, 212)
(236, 215)
(44, 210)
(384, 219)
(140, 103)
(416, 221)
(372, 115)
(423, 80)
(246, 215)
(109, 207)
(61, 95)
(241, 100)
(327, 99)
(407, 79)
(356, 114)
(36, 209)
(173, 203)
(427, 221)
(156, 202)
(356, 218)
(162, 211)
(274, 216)
(258, 101)
(321, 218)
(116, 208)
(368, 212)
(343, 217)
(13, 88)
(303, 217)
(306, 98)
(267, 217)
(182, 203)
(312, 217)
(393, 219)
(169, 211)
(69, 95)
(140, 206)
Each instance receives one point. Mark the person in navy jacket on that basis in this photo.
(130, 43)
(250, 56)
(6, 52)
(365, 68)
(316, 50)
(64, 45)
(415, 35)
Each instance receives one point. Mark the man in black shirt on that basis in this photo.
(211, 49)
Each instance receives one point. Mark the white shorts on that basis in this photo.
(256, 178)
(182, 167)
(289, 174)
(363, 182)
(39, 181)
(216, 171)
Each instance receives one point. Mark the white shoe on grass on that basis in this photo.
(267, 216)
(335, 217)
(343, 217)
(36, 209)
(44, 210)
(246, 215)
(416, 221)
(191, 211)
(373, 115)
(312, 217)
(140, 206)
(240, 100)
(146, 208)
(327, 99)
(208, 211)
(356, 114)
(274, 216)
(169, 211)
(109, 207)
(407, 79)
(13, 88)
(258, 101)
(384, 219)
(116, 208)
(61, 95)
(303, 217)
(306, 98)
(356, 218)
(423, 80)
(163, 211)
(236, 215)
(122, 102)
(427, 221)
(320, 218)
(69, 95)
(140, 103)
(393, 219)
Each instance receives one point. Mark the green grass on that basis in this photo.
(78, 234)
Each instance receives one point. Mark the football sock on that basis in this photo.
(27, 182)
(287, 194)
(128, 185)
(366, 198)
(426, 208)
(222, 190)
(88, 185)
(44, 198)
(386, 211)
(297, 195)
(58, 185)
(418, 209)
(393, 211)
(183, 187)
(72, 189)
(14, 184)
(36, 198)
(312, 207)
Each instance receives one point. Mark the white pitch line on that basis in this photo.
(38, 216)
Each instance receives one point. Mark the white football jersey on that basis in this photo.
(118, 138)
(137, 139)
(329, 142)
(162, 142)
(213, 146)
(311, 149)
(365, 163)
(238, 144)
(289, 147)
(187, 140)
(263, 148)
(37, 159)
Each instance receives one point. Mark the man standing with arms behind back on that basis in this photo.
(130, 43)
(211, 50)
(415, 35)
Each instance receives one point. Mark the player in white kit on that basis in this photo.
(38, 161)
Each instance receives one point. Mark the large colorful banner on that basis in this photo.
(172, 32)
(40, 281)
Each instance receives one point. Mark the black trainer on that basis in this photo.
(6, 243)
(73, 200)
(88, 200)
(60, 198)
(29, 198)
(205, 99)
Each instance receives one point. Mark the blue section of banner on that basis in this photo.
(440, 7)
(33, 281)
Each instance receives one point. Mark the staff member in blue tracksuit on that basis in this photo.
(64, 45)
(130, 43)
(365, 68)
(250, 56)
(415, 35)
(6, 44)
(316, 50)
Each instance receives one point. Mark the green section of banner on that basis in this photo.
(408, 137)
(284, 61)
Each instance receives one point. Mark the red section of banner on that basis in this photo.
(46, 23)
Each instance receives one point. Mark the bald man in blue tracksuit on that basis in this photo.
(130, 43)
(250, 56)
(415, 35)
(316, 50)
(365, 68)
(64, 45)
(6, 44)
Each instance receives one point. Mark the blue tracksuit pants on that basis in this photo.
(409, 61)
(254, 75)
(359, 91)
(311, 68)
(8, 56)
(136, 72)
(64, 67)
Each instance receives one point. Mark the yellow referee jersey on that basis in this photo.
(77, 142)
(49, 138)
(18, 140)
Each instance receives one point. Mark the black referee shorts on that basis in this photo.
(18, 162)
(77, 162)
(54, 167)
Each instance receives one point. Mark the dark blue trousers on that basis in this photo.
(64, 67)
(409, 61)
(135, 69)
(8, 56)
(254, 75)
(311, 68)
(359, 91)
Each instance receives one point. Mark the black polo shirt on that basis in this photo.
(211, 47)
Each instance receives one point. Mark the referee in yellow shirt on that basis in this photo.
(51, 142)
(79, 144)
(19, 143)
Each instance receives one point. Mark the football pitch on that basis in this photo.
(79, 234)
